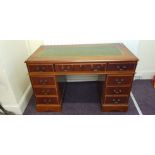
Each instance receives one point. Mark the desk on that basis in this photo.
(114, 61)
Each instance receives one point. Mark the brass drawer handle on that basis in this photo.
(47, 100)
(121, 67)
(43, 68)
(117, 91)
(96, 68)
(66, 68)
(43, 81)
(37, 68)
(119, 81)
(116, 101)
(45, 92)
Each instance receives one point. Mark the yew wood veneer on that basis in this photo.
(114, 61)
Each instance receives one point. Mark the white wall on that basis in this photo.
(15, 89)
(13, 55)
(146, 55)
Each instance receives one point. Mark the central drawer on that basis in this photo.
(93, 67)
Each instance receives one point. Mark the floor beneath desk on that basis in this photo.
(144, 94)
(81, 98)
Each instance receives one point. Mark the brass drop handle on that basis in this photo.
(45, 100)
(117, 91)
(66, 68)
(96, 68)
(43, 68)
(45, 92)
(119, 81)
(49, 100)
(116, 101)
(45, 81)
(37, 68)
(41, 81)
(124, 67)
(81, 67)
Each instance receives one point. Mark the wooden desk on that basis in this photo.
(114, 61)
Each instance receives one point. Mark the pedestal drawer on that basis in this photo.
(43, 80)
(47, 100)
(116, 100)
(45, 91)
(119, 80)
(117, 90)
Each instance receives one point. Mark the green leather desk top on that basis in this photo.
(81, 53)
(74, 51)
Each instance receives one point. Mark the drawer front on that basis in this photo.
(49, 107)
(116, 100)
(121, 66)
(40, 68)
(94, 67)
(117, 90)
(64, 67)
(119, 80)
(47, 100)
(114, 108)
(43, 80)
(45, 91)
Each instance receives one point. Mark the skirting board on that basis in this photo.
(144, 75)
(20, 107)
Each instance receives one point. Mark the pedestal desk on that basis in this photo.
(114, 61)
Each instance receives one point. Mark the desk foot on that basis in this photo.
(114, 108)
(49, 108)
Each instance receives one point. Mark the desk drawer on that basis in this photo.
(116, 100)
(45, 91)
(114, 80)
(43, 80)
(64, 67)
(93, 67)
(40, 68)
(121, 66)
(117, 90)
(47, 100)
(114, 108)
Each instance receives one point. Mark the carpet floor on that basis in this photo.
(145, 96)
